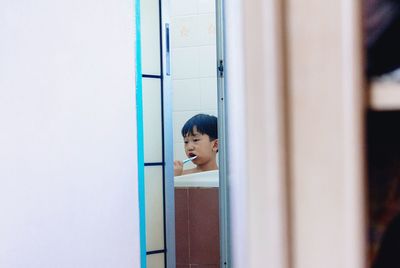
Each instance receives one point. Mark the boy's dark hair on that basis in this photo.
(204, 123)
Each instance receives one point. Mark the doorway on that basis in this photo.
(180, 53)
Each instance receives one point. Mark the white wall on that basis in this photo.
(194, 81)
(68, 167)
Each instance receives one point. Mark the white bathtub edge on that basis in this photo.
(203, 179)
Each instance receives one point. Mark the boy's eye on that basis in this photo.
(196, 140)
(186, 142)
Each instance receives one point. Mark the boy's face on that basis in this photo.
(200, 145)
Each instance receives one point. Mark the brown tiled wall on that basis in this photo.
(197, 227)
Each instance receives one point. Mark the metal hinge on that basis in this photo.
(221, 68)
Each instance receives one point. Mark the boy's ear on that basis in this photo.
(215, 145)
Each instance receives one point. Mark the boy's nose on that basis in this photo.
(190, 146)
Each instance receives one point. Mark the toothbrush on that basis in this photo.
(189, 159)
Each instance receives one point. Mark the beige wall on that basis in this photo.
(295, 133)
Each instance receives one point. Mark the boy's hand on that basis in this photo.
(178, 168)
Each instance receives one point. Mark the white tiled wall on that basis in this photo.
(155, 260)
(152, 132)
(150, 37)
(194, 81)
(154, 208)
(152, 124)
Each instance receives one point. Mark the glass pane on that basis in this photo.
(154, 208)
(150, 35)
(155, 261)
(152, 120)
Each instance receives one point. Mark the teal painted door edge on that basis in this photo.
(140, 144)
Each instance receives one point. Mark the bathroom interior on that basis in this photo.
(92, 98)
(185, 84)
(193, 54)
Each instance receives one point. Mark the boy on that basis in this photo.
(200, 134)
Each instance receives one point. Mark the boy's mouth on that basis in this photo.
(191, 155)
